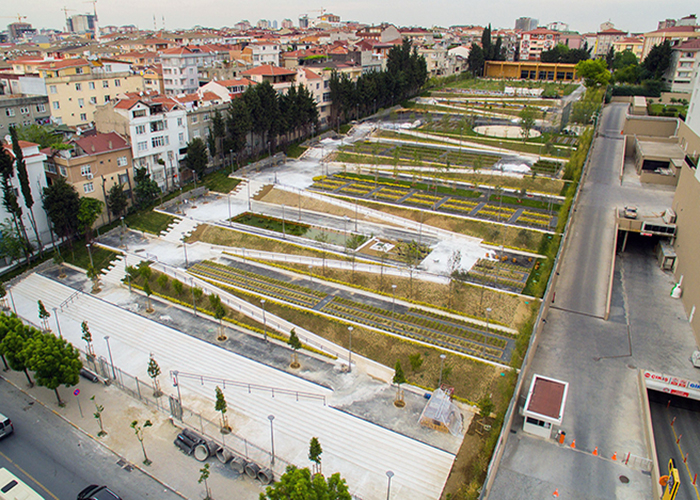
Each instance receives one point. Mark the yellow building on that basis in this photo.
(77, 86)
(631, 43)
(530, 70)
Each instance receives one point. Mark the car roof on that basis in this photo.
(3, 417)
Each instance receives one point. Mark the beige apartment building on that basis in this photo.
(93, 165)
(77, 86)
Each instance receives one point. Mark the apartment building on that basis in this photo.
(262, 52)
(675, 34)
(93, 165)
(77, 86)
(684, 66)
(632, 43)
(604, 40)
(318, 85)
(280, 79)
(180, 74)
(21, 110)
(157, 130)
(534, 42)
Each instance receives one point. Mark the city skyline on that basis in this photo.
(637, 16)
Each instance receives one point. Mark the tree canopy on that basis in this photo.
(116, 200)
(298, 484)
(561, 53)
(658, 60)
(594, 72)
(53, 360)
(62, 205)
(196, 158)
(146, 189)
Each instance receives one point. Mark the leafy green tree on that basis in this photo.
(196, 158)
(298, 484)
(203, 477)
(62, 205)
(11, 245)
(44, 315)
(177, 286)
(43, 135)
(54, 362)
(476, 60)
(12, 348)
(315, 452)
(94, 275)
(485, 406)
(147, 290)
(594, 72)
(624, 59)
(658, 60)
(154, 372)
(295, 344)
(398, 379)
(117, 200)
(144, 270)
(139, 430)
(238, 124)
(146, 190)
(527, 121)
(416, 361)
(99, 409)
(162, 281)
(9, 199)
(88, 212)
(219, 314)
(222, 408)
(25, 185)
(87, 337)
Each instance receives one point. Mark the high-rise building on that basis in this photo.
(81, 23)
(304, 21)
(19, 30)
(558, 26)
(274, 24)
(526, 24)
(287, 24)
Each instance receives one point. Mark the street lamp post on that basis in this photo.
(184, 246)
(350, 328)
(12, 299)
(262, 301)
(284, 231)
(90, 254)
(389, 475)
(271, 418)
(58, 325)
(176, 383)
(393, 301)
(111, 361)
(345, 228)
(488, 313)
(229, 208)
(442, 365)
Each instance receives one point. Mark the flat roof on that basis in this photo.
(660, 149)
(547, 397)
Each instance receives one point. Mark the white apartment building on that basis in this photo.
(180, 74)
(157, 130)
(263, 52)
(685, 63)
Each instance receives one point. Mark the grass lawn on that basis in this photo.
(80, 257)
(295, 150)
(150, 222)
(220, 182)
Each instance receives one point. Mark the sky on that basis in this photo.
(584, 16)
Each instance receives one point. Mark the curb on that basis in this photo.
(141, 469)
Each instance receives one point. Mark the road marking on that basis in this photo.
(686, 463)
(29, 476)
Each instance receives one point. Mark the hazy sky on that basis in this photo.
(582, 16)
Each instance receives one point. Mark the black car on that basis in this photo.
(95, 492)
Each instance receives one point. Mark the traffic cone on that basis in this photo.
(556, 493)
(614, 457)
(595, 452)
(573, 444)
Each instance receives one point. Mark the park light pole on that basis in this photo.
(111, 361)
(350, 329)
(389, 475)
(271, 418)
(488, 313)
(58, 325)
(262, 301)
(393, 301)
(442, 368)
(89, 249)
(184, 247)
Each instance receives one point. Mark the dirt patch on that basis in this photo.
(462, 466)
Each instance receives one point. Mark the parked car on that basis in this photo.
(95, 492)
(6, 427)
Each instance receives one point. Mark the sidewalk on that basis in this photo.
(170, 467)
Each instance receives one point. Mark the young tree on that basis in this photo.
(163, 281)
(453, 266)
(98, 416)
(416, 361)
(203, 477)
(147, 290)
(94, 275)
(299, 484)
(222, 408)
(315, 452)
(25, 185)
(117, 200)
(139, 431)
(154, 372)
(54, 362)
(11, 244)
(323, 239)
(87, 337)
(177, 286)
(295, 344)
(196, 158)
(44, 315)
(527, 121)
(12, 348)
(62, 204)
(399, 378)
(412, 255)
(485, 406)
(146, 190)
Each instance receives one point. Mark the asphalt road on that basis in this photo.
(57, 460)
(687, 426)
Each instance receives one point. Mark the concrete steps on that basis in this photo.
(182, 228)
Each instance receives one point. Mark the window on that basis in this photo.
(157, 126)
(81, 103)
(91, 85)
(78, 87)
(56, 105)
(142, 146)
(107, 98)
(78, 71)
(88, 187)
(105, 84)
(326, 96)
(138, 113)
(140, 129)
(83, 117)
(181, 137)
(157, 142)
(40, 108)
(24, 110)
(117, 83)
(93, 100)
(63, 171)
(194, 119)
(179, 122)
(206, 116)
(86, 170)
(121, 161)
(52, 89)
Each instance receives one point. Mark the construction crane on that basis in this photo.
(97, 26)
(18, 17)
(321, 10)
(65, 11)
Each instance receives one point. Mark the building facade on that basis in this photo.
(534, 42)
(19, 110)
(685, 64)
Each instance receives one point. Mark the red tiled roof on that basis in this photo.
(63, 63)
(674, 29)
(612, 31)
(235, 82)
(269, 70)
(547, 397)
(102, 143)
(693, 44)
(311, 75)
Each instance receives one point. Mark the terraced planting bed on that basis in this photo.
(499, 275)
(272, 223)
(411, 323)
